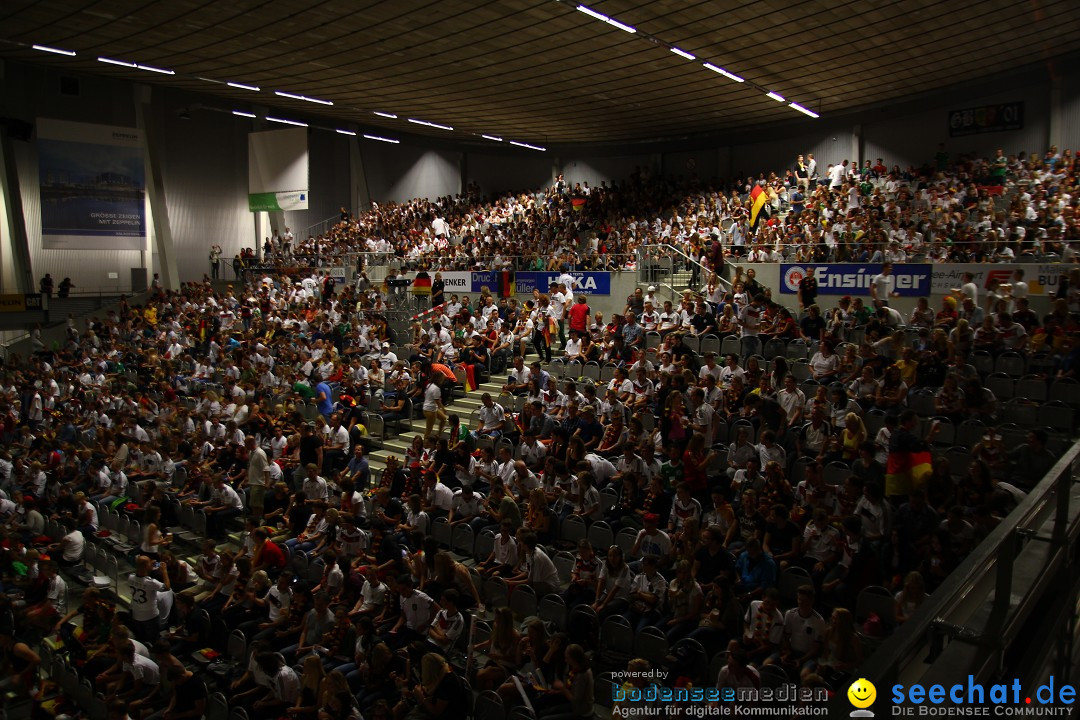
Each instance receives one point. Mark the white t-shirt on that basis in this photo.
(142, 668)
(73, 543)
(432, 396)
(883, 286)
(144, 592)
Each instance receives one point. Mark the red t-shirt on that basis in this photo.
(579, 316)
(272, 555)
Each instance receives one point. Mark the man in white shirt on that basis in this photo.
(492, 418)
(883, 286)
(1019, 288)
(967, 289)
(750, 317)
(837, 173)
(792, 400)
(258, 474)
(145, 619)
(417, 611)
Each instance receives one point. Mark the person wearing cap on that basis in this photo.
(386, 358)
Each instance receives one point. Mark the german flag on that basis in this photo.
(906, 470)
(578, 204)
(759, 199)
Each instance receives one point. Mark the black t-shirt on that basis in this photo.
(309, 449)
(709, 565)
(812, 326)
(188, 694)
(452, 691)
(437, 289)
(808, 290)
(782, 537)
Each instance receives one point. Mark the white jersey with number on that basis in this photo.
(144, 596)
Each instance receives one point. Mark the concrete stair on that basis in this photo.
(463, 407)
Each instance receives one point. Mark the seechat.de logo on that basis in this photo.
(862, 695)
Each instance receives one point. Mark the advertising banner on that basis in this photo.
(93, 186)
(1042, 279)
(20, 303)
(277, 201)
(854, 278)
(458, 282)
(987, 118)
(588, 283)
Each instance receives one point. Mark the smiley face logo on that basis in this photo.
(862, 694)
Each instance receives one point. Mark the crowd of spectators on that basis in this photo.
(746, 509)
(968, 209)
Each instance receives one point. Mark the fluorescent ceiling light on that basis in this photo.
(803, 110)
(57, 51)
(392, 116)
(725, 73)
(382, 139)
(242, 86)
(775, 96)
(294, 96)
(430, 124)
(241, 113)
(604, 18)
(346, 132)
(492, 137)
(283, 121)
(527, 145)
(683, 53)
(121, 63)
(151, 68)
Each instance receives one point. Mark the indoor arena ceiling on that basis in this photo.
(541, 71)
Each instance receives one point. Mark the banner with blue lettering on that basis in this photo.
(911, 280)
(588, 283)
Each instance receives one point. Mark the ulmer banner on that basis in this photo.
(93, 186)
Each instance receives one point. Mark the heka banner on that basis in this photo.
(911, 280)
(588, 283)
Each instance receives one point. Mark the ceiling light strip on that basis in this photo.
(121, 63)
(725, 73)
(430, 124)
(604, 18)
(382, 139)
(775, 96)
(241, 113)
(682, 53)
(804, 111)
(345, 132)
(492, 137)
(283, 121)
(527, 145)
(305, 98)
(392, 116)
(242, 86)
(55, 51)
(151, 68)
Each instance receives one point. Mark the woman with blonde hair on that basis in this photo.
(311, 680)
(911, 596)
(841, 651)
(853, 436)
(503, 648)
(440, 694)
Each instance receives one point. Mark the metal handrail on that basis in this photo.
(937, 617)
(322, 226)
